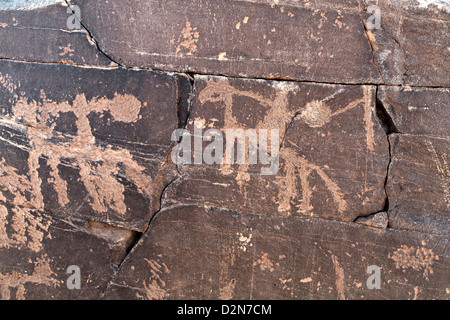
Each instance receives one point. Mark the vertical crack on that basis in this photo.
(185, 89)
(380, 219)
(386, 202)
(389, 127)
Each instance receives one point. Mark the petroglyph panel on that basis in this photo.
(224, 149)
(36, 249)
(330, 139)
(88, 143)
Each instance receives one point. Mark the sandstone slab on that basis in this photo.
(333, 153)
(265, 39)
(323, 41)
(42, 34)
(418, 111)
(192, 252)
(418, 183)
(410, 47)
(37, 249)
(88, 143)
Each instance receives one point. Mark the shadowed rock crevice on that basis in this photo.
(385, 118)
(121, 240)
(381, 217)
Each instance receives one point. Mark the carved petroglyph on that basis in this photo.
(443, 170)
(278, 115)
(98, 165)
(154, 286)
(15, 281)
(417, 258)
(21, 230)
(188, 39)
(340, 277)
(26, 230)
(297, 167)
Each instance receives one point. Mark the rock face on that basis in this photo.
(210, 149)
(419, 176)
(314, 121)
(220, 254)
(42, 35)
(88, 143)
(37, 250)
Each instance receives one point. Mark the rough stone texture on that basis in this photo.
(88, 143)
(419, 177)
(411, 47)
(219, 254)
(377, 220)
(418, 184)
(314, 122)
(417, 111)
(301, 40)
(36, 249)
(243, 38)
(86, 176)
(42, 35)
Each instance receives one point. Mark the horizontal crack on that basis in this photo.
(190, 74)
(65, 62)
(182, 205)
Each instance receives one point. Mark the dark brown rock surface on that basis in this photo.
(36, 250)
(321, 127)
(218, 254)
(411, 47)
(289, 39)
(224, 149)
(43, 35)
(325, 41)
(88, 143)
(418, 185)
